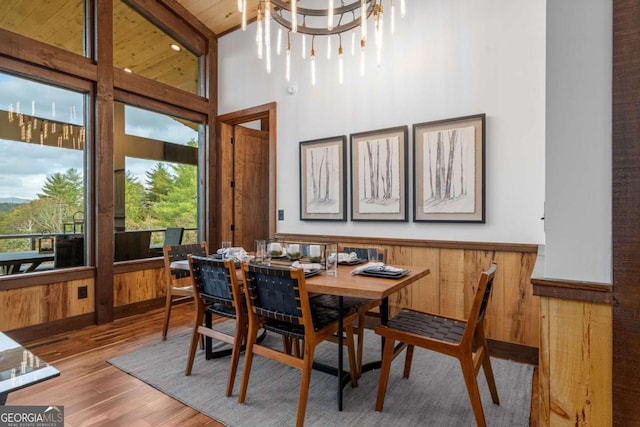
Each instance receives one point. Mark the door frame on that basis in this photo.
(267, 114)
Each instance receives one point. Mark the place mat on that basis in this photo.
(384, 273)
(352, 261)
(309, 273)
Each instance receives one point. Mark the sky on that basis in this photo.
(25, 166)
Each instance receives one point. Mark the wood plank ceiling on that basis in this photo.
(221, 16)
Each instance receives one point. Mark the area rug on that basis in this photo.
(434, 394)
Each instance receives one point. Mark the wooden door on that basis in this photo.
(251, 186)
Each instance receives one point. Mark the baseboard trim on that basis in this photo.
(513, 351)
(43, 330)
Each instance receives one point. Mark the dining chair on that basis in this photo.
(363, 306)
(277, 299)
(447, 335)
(174, 277)
(217, 292)
(173, 236)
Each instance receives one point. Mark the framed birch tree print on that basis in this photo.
(379, 175)
(323, 179)
(449, 163)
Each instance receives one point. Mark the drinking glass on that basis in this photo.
(261, 250)
(372, 254)
(331, 259)
(226, 245)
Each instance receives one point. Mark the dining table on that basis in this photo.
(12, 262)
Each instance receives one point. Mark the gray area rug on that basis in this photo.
(434, 394)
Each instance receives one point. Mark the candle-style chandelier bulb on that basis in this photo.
(363, 19)
(288, 60)
(304, 46)
(279, 42)
(259, 40)
(353, 42)
(392, 30)
(294, 16)
(330, 16)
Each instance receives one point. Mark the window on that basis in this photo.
(142, 48)
(59, 23)
(156, 177)
(42, 176)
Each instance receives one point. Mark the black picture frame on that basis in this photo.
(449, 170)
(379, 177)
(323, 179)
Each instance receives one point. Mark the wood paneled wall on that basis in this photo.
(138, 286)
(35, 305)
(575, 363)
(513, 311)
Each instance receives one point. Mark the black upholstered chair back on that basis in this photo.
(174, 253)
(274, 294)
(212, 278)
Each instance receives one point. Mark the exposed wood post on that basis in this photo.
(103, 143)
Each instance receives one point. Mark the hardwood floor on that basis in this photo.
(94, 393)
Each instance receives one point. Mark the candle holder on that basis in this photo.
(293, 251)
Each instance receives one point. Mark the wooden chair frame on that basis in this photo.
(173, 277)
(450, 336)
(207, 298)
(302, 316)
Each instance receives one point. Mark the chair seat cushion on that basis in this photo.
(427, 325)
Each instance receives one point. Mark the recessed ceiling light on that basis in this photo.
(127, 70)
(175, 47)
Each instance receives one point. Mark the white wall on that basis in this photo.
(578, 156)
(448, 58)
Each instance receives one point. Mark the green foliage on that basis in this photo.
(168, 198)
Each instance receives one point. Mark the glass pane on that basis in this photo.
(142, 48)
(42, 179)
(155, 179)
(149, 124)
(59, 23)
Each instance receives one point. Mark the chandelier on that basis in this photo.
(334, 22)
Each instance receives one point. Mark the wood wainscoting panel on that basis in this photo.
(575, 363)
(451, 282)
(425, 293)
(513, 313)
(519, 307)
(136, 286)
(35, 305)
